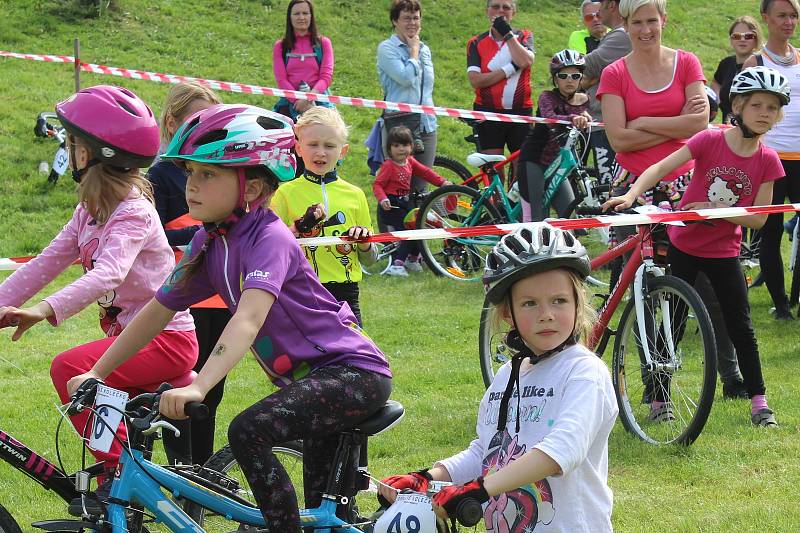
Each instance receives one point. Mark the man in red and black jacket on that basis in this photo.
(499, 68)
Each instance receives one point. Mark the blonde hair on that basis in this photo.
(103, 187)
(628, 7)
(751, 23)
(179, 98)
(585, 315)
(765, 5)
(322, 116)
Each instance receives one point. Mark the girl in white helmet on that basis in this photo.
(540, 456)
(732, 168)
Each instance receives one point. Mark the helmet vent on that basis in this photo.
(210, 137)
(126, 107)
(270, 123)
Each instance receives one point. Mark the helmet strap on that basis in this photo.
(77, 175)
(737, 120)
(221, 229)
(516, 343)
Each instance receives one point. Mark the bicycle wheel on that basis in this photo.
(678, 332)
(290, 455)
(457, 206)
(383, 261)
(794, 264)
(450, 169)
(491, 348)
(7, 522)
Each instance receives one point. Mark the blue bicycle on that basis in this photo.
(197, 499)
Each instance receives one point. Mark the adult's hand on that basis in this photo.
(696, 104)
(501, 26)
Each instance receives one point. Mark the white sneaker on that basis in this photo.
(413, 266)
(397, 269)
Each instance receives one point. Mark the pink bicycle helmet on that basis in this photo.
(237, 135)
(118, 126)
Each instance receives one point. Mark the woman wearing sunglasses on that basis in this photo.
(540, 148)
(745, 38)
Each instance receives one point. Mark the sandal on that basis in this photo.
(764, 418)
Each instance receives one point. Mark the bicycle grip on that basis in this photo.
(196, 410)
(469, 512)
(590, 210)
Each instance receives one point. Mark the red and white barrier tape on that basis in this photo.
(603, 221)
(271, 91)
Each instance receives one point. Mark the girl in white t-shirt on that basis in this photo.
(549, 410)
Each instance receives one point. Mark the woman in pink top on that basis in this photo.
(653, 100)
(302, 60)
(116, 234)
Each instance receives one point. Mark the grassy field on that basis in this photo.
(734, 478)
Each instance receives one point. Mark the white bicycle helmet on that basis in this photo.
(761, 79)
(533, 248)
(566, 58)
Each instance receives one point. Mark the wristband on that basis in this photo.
(509, 69)
(508, 36)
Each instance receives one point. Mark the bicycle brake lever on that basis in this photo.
(161, 424)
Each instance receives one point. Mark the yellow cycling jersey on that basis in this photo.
(345, 207)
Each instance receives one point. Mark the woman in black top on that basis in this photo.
(745, 37)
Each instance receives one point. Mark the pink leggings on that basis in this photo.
(170, 355)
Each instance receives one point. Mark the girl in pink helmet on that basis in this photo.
(330, 375)
(116, 235)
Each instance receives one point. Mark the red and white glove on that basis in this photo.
(416, 481)
(450, 497)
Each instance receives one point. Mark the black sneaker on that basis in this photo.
(781, 313)
(93, 502)
(734, 390)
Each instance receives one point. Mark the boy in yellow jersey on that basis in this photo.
(321, 203)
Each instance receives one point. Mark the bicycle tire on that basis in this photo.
(7, 522)
(449, 207)
(794, 291)
(450, 169)
(383, 261)
(491, 348)
(223, 461)
(687, 385)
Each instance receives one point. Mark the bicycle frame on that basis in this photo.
(641, 260)
(45, 473)
(141, 480)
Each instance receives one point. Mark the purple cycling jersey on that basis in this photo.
(306, 327)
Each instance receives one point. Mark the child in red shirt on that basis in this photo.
(392, 187)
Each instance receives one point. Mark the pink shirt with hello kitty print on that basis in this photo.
(124, 261)
(721, 176)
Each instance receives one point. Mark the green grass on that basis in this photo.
(734, 478)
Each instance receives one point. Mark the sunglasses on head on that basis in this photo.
(747, 36)
(571, 75)
(588, 17)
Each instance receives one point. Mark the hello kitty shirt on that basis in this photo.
(721, 176)
(566, 409)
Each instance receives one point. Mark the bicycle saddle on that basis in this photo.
(386, 417)
(478, 159)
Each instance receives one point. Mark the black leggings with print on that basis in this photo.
(314, 409)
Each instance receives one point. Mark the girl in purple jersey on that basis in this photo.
(330, 376)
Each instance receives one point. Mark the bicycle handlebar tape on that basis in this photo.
(469, 512)
(196, 411)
